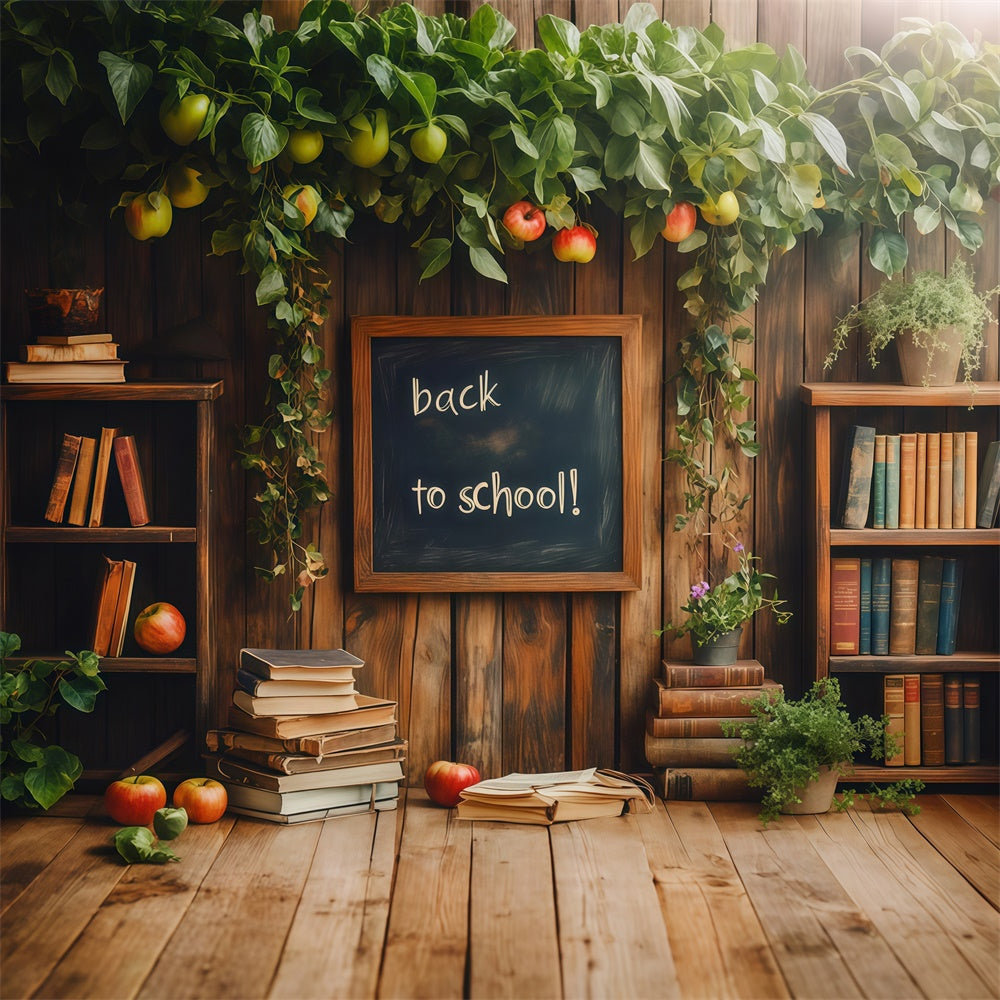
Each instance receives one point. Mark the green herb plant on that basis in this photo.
(786, 742)
(923, 306)
(33, 772)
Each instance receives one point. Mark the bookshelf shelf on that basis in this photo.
(893, 409)
(48, 577)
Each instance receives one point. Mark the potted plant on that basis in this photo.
(935, 320)
(797, 751)
(716, 615)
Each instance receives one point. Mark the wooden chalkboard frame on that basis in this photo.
(367, 329)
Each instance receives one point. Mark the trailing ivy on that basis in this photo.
(638, 115)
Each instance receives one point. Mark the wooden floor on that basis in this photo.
(694, 900)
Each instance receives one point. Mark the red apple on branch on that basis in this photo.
(160, 628)
(204, 799)
(524, 221)
(680, 222)
(445, 779)
(132, 801)
(577, 244)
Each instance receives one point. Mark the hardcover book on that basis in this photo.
(911, 719)
(989, 487)
(958, 480)
(82, 482)
(308, 799)
(892, 482)
(317, 815)
(234, 771)
(69, 452)
(101, 465)
(705, 784)
(893, 700)
(122, 607)
(932, 720)
(260, 688)
(951, 599)
(127, 460)
(65, 372)
(292, 705)
(954, 730)
(74, 338)
(932, 494)
(971, 476)
(920, 501)
(865, 622)
(845, 606)
(672, 702)
(903, 610)
(107, 603)
(683, 673)
(881, 604)
(928, 604)
(971, 718)
(878, 484)
(316, 747)
(105, 351)
(298, 763)
(300, 664)
(370, 712)
(907, 480)
(856, 476)
(697, 727)
(686, 752)
(946, 475)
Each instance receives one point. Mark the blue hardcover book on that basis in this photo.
(878, 483)
(892, 446)
(865, 635)
(881, 604)
(951, 597)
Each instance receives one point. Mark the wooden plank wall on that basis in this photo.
(514, 681)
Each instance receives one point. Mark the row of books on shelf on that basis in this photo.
(68, 358)
(918, 480)
(884, 606)
(81, 477)
(302, 743)
(685, 741)
(936, 718)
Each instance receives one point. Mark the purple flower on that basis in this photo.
(699, 590)
(738, 547)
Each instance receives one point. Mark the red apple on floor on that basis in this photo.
(132, 801)
(445, 779)
(160, 628)
(524, 221)
(204, 799)
(680, 222)
(577, 244)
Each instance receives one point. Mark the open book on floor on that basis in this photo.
(556, 797)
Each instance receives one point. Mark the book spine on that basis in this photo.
(706, 701)
(933, 477)
(951, 597)
(688, 752)
(845, 606)
(892, 480)
(958, 480)
(907, 480)
(971, 476)
(69, 452)
(911, 719)
(928, 604)
(748, 673)
(971, 718)
(856, 477)
(687, 727)
(920, 500)
(954, 730)
(878, 483)
(107, 602)
(881, 604)
(69, 352)
(865, 619)
(945, 476)
(903, 612)
(127, 460)
(101, 466)
(932, 720)
(82, 481)
(989, 486)
(705, 784)
(893, 700)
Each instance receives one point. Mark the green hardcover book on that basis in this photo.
(865, 627)
(878, 483)
(928, 604)
(951, 597)
(881, 604)
(892, 446)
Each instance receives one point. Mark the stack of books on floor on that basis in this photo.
(302, 743)
(685, 745)
(68, 358)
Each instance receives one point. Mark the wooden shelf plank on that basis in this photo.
(126, 664)
(106, 536)
(884, 394)
(898, 537)
(145, 392)
(966, 774)
(980, 662)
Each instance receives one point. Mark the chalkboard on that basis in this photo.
(496, 453)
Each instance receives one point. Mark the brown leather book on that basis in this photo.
(122, 607)
(892, 701)
(731, 701)
(903, 607)
(127, 460)
(696, 726)
(911, 720)
(101, 466)
(920, 501)
(945, 480)
(80, 496)
(932, 720)
(683, 673)
(69, 352)
(907, 480)
(107, 603)
(69, 452)
(705, 784)
(932, 494)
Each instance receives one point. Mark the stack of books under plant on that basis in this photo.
(302, 743)
(685, 740)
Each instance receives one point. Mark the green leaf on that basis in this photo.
(49, 780)
(829, 137)
(262, 138)
(81, 692)
(129, 81)
(926, 219)
(434, 255)
(271, 286)
(307, 103)
(888, 252)
(60, 78)
(169, 823)
(422, 88)
(559, 36)
(652, 167)
(486, 264)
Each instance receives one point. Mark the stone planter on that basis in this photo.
(817, 796)
(920, 368)
(719, 652)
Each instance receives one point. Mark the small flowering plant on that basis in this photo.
(713, 611)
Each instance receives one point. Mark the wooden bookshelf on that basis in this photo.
(831, 408)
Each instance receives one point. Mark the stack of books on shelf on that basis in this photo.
(883, 606)
(302, 743)
(685, 745)
(918, 480)
(68, 358)
(936, 718)
(81, 477)
(114, 599)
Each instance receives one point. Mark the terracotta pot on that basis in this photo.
(817, 796)
(719, 652)
(63, 310)
(920, 368)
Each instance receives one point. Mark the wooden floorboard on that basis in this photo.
(693, 900)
